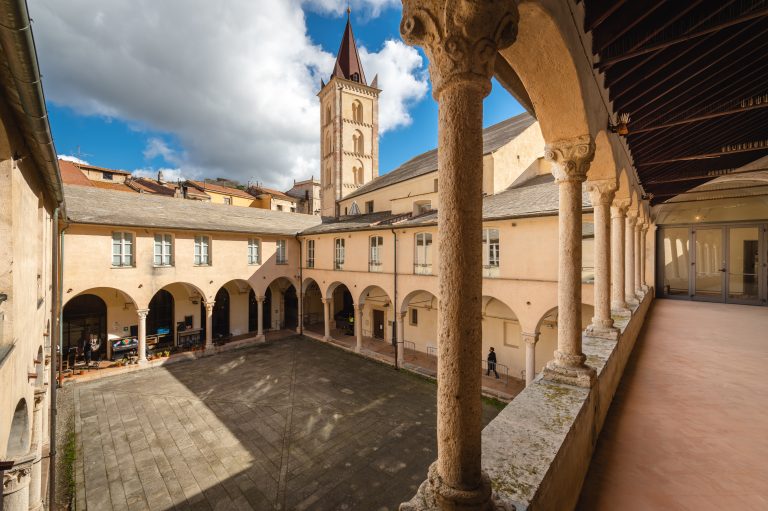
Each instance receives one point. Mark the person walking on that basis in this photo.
(492, 363)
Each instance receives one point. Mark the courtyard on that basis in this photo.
(291, 424)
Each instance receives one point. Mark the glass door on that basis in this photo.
(675, 247)
(744, 266)
(709, 264)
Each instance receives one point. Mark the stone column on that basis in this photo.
(618, 220)
(643, 257)
(209, 325)
(327, 318)
(461, 39)
(16, 482)
(142, 335)
(36, 475)
(358, 328)
(401, 338)
(638, 259)
(570, 162)
(601, 194)
(530, 356)
(260, 318)
(629, 260)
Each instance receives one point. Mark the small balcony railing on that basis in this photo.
(490, 271)
(422, 269)
(338, 265)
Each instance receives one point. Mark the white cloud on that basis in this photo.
(169, 175)
(68, 157)
(233, 82)
(372, 7)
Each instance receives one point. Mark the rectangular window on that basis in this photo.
(163, 250)
(280, 254)
(122, 249)
(369, 206)
(254, 251)
(414, 319)
(435, 186)
(490, 253)
(422, 261)
(228, 201)
(310, 253)
(374, 256)
(107, 176)
(338, 259)
(279, 207)
(202, 250)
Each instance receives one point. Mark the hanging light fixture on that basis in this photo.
(621, 126)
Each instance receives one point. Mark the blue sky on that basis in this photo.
(112, 133)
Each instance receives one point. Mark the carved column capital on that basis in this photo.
(325, 300)
(142, 313)
(209, 306)
(601, 192)
(619, 207)
(530, 338)
(632, 219)
(261, 299)
(17, 477)
(570, 158)
(39, 396)
(460, 37)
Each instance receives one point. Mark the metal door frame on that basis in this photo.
(761, 276)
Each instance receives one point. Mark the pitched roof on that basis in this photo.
(72, 175)
(536, 197)
(347, 59)
(148, 185)
(226, 190)
(87, 205)
(258, 190)
(88, 166)
(494, 137)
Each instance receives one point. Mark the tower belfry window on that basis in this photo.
(355, 77)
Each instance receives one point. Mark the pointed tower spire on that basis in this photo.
(348, 64)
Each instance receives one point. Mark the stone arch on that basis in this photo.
(501, 329)
(358, 172)
(241, 312)
(414, 294)
(377, 312)
(312, 303)
(358, 142)
(605, 164)
(420, 322)
(623, 190)
(40, 367)
(19, 434)
(541, 57)
(282, 297)
(546, 328)
(357, 111)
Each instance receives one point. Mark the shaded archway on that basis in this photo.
(253, 312)
(378, 320)
(220, 321)
(281, 305)
(84, 318)
(19, 434)
(312, 306)
(501, 331)
(160, 320)
(420, 321)
(342, 308)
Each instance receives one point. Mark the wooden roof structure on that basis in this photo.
(693, 76)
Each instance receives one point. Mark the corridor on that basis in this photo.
(687, 426)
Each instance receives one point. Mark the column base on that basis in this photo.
(435, 495)
(621, 311)
(327, 338)
(261, 338)
(142, 362)
(578, 376)
(602, 332)
(645, 288)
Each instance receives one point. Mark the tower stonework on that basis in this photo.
(349, 128)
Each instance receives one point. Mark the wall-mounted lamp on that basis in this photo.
(621, 126)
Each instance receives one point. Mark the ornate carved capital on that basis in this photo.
(142, 313)
(17, 477)
(619, 208)
(570, 158)
(530, 338)
(209, 306)
(460, 37)
(631, 219)
(601, 192)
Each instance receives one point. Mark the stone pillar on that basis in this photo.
(142, 335)
(643, 257)
(618, 220)
(16, 482)
(209, 325)
(530, 356)
(36, 475)
(358, 328)
(570, 162)
(629, 260)
(260, 318)
(327, 318)
(601, 194)
(638, 259)
(401, 338)
(461, 40)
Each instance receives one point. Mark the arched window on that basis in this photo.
(358, 172)
(359, 144)
(357, 111)
(328, 176)
(328, 148)
(327, 114)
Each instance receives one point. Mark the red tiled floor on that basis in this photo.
(687, 427)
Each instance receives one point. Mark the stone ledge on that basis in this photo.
(537, 450)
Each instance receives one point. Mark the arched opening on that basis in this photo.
(84, 321)
(267, 306)
(40, 368)
(358, 142)
(220, 321)
(342, 312)
(18, 437)
(502, 332)
(253, 312)
(547, 330)
(358, 172)
(357, 111)
(378, 321)
(420, 322)
(160, 321)
(283, 304)
(313, 306)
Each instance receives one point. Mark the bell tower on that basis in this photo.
(349, 127)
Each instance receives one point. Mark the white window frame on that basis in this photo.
(281, 252)
(422, 263)
(310, 253)
(162, 249)
(339, 251)
(202, 250)
(126, 242)
(254, 251)
(374, 253)
(491, 252)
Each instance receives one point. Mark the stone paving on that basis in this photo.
(291, 424)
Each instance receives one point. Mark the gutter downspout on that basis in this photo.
(395, 304)
(55, 336)
(301, 287)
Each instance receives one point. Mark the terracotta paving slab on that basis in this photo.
(687, 427)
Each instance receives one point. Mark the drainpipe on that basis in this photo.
(301, 287)
(54, 334)
(394, 301)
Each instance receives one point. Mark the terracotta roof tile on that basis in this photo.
(226, 190)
